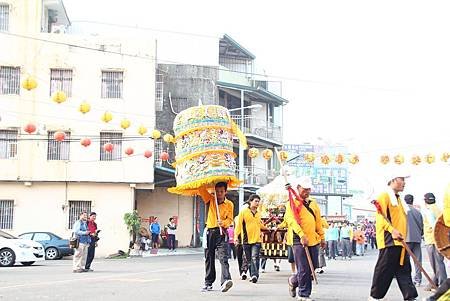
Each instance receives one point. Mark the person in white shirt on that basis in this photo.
(171, 231)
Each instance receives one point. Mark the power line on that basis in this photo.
(268, 76)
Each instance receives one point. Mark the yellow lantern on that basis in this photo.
(29, 83)
(339, 158)
(142, 130)
(267, 154)
(445, 157)
(310, 157)
(325, 159)
(168, 138)
(125, 123)
(253, 153)
(399, 159)
(384, 159)
(283, 156)
(84, 107)
(59, 97)
(430, 158)
(353, 159)
(156, 134)
(416, 160)
(107, 117)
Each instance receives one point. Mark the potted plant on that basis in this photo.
(133, 222)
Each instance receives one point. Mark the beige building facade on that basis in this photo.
(44, 184)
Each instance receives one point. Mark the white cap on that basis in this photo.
(397, 174)
(304, 182)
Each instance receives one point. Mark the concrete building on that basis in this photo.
(230, 82)
(44, 183)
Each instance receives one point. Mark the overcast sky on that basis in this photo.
(374, 75)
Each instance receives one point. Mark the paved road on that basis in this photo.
(177, 278)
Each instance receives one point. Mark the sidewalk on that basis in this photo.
(177, 252)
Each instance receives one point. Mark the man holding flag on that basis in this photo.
(303, 219)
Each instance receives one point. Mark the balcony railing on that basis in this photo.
(259, 127)
(256, 176)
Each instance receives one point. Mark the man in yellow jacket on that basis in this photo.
(216, 235)
(303, 219)
(392, 260)
(249, 229)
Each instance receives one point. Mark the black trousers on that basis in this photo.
(90, 255)
(242, 261)
(219, 242)
(387, 267)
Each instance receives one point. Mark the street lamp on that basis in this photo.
(241, 149)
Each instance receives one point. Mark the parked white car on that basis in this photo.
(13, 249)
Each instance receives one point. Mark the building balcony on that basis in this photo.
(250, 125)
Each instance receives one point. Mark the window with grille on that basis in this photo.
(75, 209)
(61, 80)
(4, 17)
(9, 80)
(112, 84)
(6, 214)
(58, 150)
(8, 144)
(159, 93)
(116, 140)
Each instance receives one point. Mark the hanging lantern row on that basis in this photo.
(415, 160)
(328, 159)
(267, 154)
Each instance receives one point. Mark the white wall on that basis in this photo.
(39, 208)
(163, 204)
(35, 58)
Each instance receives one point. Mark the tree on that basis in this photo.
(133, 222)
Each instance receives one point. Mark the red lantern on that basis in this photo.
(129, 151)
(85, 142)
(59, 136)
(108, 147)
(148, 153)
(164, 156)
(30, 128)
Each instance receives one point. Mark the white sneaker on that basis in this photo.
(304, 299)
(243, 276)
(373, 299)
(226, 286)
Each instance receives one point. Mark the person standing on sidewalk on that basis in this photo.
(393, 261)
(92, 227)
(231, 247)
(250, 226)
(414, 235)
(171, 231)
(431, 214)
(346, 234)
(217, 237)
(81, 231)
(333, 236)
(303, 219)
(155, 229)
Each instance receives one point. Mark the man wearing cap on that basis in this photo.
(431, 214)
(414, 235)
(304, 223)
(392, 261)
